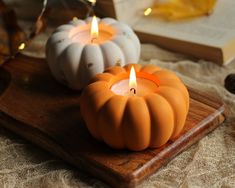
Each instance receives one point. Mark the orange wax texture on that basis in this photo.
(136, 122)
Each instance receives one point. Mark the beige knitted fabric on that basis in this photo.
(209, 163)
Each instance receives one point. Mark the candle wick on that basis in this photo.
(93, 39)
(133, 89)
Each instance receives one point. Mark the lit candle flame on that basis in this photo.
(94, 28)
(132, 81)
(147, 11)
(21, 46)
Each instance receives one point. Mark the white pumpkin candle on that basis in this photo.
(75, 54)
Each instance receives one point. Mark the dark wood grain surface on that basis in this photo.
(35, 106)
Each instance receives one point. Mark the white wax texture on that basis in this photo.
(144, 87)
(81, 34)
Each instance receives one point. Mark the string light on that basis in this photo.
(147, 11)
(75, 18)
(37, 29)
(93, 2)
(21, 46)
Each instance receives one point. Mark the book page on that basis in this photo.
(214, 30)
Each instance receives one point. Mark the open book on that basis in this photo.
(208, 37)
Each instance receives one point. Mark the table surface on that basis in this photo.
(58, 126)
(210, 162)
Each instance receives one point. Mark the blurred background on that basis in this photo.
(27, 24)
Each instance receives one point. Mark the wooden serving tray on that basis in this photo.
(35, 106)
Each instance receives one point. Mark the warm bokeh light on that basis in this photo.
(21, 46)
(92, 1)
(147, 11)
(75, 18)
(132, 79)
(94, 27)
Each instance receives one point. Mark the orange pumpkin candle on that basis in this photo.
(136, 113)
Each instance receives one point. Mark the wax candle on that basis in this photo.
(79, 50)
(92, 33)
(129, 87)
(135, 109)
